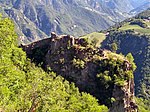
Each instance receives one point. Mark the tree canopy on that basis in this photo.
(26, 87)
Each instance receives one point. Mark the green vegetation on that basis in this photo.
(113, 71)
(25, 87)
(115, 74)
(114, 47)
(132, 38)
(131, 35)
(95, 38)
(78, 21)
(143, 105)
(144, 14)
(136, 28)
(148, 23)
(78, 63)
(140, 24)
(138, 45)
(130, 58)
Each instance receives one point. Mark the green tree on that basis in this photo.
(130, 58)
(26, 87)
(143, 105)
(114, 47)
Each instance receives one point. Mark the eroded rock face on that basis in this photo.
(93, 70)
(124, 98)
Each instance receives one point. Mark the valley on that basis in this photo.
(75, 56)
(35, 20)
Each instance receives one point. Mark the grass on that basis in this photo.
(136, 28)
(98, 37)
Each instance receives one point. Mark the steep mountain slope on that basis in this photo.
(145, 5)
(114, 8)
(133, 35)
(61, 16)
(122, 6)
(138, 45)
(36, 19)
(138, 3)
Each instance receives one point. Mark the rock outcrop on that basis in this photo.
(99, 72)
(124, 98)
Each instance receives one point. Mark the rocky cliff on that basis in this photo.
(139, 46)
(105, 75)
(124, 98)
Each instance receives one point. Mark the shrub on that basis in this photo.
(78, 63)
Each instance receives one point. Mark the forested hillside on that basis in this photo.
(138, 45)
(131, 36)
(26, 87)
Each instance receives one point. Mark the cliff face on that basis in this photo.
(139, 46)
(104, 74)
(124, 98)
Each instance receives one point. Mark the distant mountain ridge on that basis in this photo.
(37, 19)
(138, 3)
(141, 8)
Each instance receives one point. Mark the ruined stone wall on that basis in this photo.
(60, 54)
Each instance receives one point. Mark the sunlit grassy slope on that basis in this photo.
(95, 36)
(136, 28)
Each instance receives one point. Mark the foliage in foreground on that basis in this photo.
(25, 87)
(143, 105)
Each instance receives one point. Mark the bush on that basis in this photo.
(78, 63)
